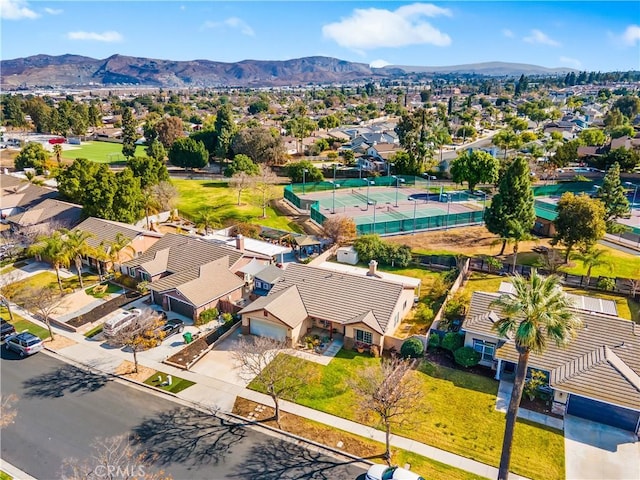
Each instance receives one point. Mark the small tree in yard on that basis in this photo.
(207, 315)
(340, 230)
(262, 361)
(113, 458)
(532, 385)
(389, 392)
(141, 334)
(43, 299)
(264, 186)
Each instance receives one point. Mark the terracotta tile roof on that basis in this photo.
(49, 210)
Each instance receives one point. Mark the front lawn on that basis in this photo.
(103, 290)
(456, 414)
(197, 195)
(623, 265)
(177, 384)
(21, 324)
(44, 279)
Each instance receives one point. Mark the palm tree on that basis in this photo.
(54, 249)
(100, 253)
(57, 151)
(592, 257)
(537, 312)
(151, 206)
(506, 139)
(120, 243)
(77, 247)
(206, 220)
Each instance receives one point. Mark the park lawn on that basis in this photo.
(21, 324)
(197, 195)
(484, 282)
(354, 444)
(177, 384)
(457, 414)
(44, 279)
(99, 152)
(623, 265)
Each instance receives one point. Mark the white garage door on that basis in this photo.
(266, 329)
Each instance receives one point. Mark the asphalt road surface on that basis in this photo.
(62, 410)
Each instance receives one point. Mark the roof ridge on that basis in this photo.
(625, 370)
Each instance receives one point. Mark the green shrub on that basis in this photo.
(424, 314)
(452, 341)
(466, 356)
(412, 348)
(227, 317)
(434, 340)
(606, 283)
(207, 315)
(532, 385)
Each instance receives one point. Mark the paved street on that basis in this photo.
(63, 409)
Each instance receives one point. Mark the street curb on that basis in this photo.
(238, 419)
(15, 472)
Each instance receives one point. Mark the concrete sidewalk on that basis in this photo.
(215, 393)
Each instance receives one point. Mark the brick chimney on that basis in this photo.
(373, 269)
(240, 242)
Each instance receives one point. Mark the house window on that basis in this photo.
(485, 349)
(364, 337)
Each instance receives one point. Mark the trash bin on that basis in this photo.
(188, 338)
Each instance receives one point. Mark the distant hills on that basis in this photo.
(76, 70)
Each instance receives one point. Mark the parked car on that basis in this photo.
(172, 326)
(383, 472)
(24, 343)
(6, 329)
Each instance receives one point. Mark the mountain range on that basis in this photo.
(76, 70)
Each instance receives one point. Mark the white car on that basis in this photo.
(383, 472)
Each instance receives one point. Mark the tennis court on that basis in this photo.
(390, 209)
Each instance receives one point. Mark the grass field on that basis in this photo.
(99, 152)
(198, 195)
(457, 414)
(21, 324)
(177, 384)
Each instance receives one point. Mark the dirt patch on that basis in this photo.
(59, 342)
(126, 369)
(467, 240)
(305, 428)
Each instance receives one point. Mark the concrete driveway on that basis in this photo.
(597, 451)
(218, 362)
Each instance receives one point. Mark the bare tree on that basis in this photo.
(264, 186)
(241, 181)
(113, 458)
(43, 299)
(165, 195)
(262, 361)
(142, 333)
(387, 391)
(634, 284)
(340, 230)
(8, 289)
(8, 410)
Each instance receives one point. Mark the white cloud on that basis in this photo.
(631, 35)
(571, 62)
(16, 10)
(508, 33)
(232, 22)
(109, 36)
(541, 38)
(374, 28)
(53, 11)
(379, 63)
(183, 7)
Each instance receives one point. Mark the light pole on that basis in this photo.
(304, 179)
(360, 170)
(334, 172)
(375, 204)
(389, 165)
(397, 188)
(335, 185)
(448, 207)
(415, 205)
(369, 183)
(635, 192)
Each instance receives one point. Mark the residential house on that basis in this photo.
(50, 214)
(265, 279)
(188, 275)
(104, 233)
(361, 309)
(17, 195)
(383, 151)
(596, 376)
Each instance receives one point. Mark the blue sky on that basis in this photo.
(586, 35)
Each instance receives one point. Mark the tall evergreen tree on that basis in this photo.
(612, 195)
(513, 202)
(225, 130)
(128, 134)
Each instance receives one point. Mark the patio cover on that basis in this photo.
(307, 240)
